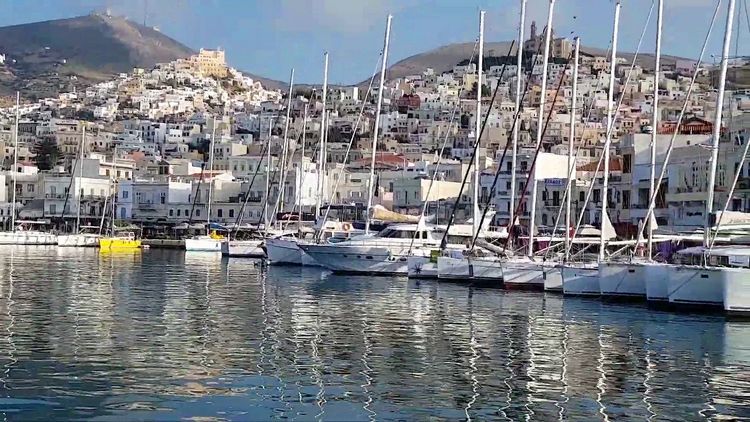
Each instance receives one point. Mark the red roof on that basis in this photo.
(615, 164)
(386, 159)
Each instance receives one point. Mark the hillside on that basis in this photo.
(443, 58)
(45, 58)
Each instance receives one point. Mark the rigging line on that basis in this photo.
(444, 240)
(657, 185)
(571, 172)
(320, 228)
(516, 117)
(252, 181)
(442, 150)
(522, 199)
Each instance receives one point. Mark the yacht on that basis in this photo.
(24, 234)
(384, 253)
(121, 241)
(284, 248)
(205, 243)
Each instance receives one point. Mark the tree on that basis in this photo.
(46, 153)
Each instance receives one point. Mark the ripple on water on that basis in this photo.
(163, 335)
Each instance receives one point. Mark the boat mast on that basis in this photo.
(321, 141)
(610, 129)
(80, 178)
(477, 127)
(268, 173)
(516, 126)
(279, 205)
(655, 120)
(384, 64)
(302, 169)
(540, 122)
(571, 142)
(717, 123)
(114, 190)
(15, 162)
(210, 175)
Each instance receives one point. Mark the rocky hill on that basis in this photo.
(444, 58)
(45, 58)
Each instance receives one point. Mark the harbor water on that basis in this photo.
(165, 335)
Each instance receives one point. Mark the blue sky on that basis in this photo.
(268, 37)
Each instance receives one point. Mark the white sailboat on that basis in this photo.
(284, 249)
(582, 279)
(22, 235)
(211, 241)
(628, 279)
(694, 281)
(77, 238)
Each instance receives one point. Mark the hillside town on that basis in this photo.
(149, 132)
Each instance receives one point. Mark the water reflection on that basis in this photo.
(169, 335)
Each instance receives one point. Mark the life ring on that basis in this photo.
(346, 227)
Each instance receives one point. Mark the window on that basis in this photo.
(53, 208)
(123, 213)
(125, 194)
(581, 197)
(198, 213)
(30, 188)
(163, 198)
(220, 212)
(119, 173)
(231, 213)
(625, 199)
(171, 213)
(178, 212)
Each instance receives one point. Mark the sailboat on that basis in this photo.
(698, 277)
(20, 235)
(78, 238)
(211, 241)
(583, 278)
(118, 240)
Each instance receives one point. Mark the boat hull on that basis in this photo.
(243, 248)
(622, 280)
(422, 267)
(736, 291)
(371, 260)
(553, 281)
(119, 244)
(286, 251)
(523, 274)
(203, 245)
(78, 240)
(694, 285)
(482, 269)
(27, 238)
(657, 282)
(580, 280)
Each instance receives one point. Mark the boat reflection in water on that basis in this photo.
(180, 336)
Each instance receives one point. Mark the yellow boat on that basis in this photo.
(124, 241)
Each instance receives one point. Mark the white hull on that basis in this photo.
(553, 281)
(243, 248)
(580, 280)
(372, 260)
(78, 240)
(524, 274)
(657, 282)
(482, 269)
(695, 285)
(286, 251)
(622, 279)
(422, 267)
(736, 290)
(27, 238)
(203, 244)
